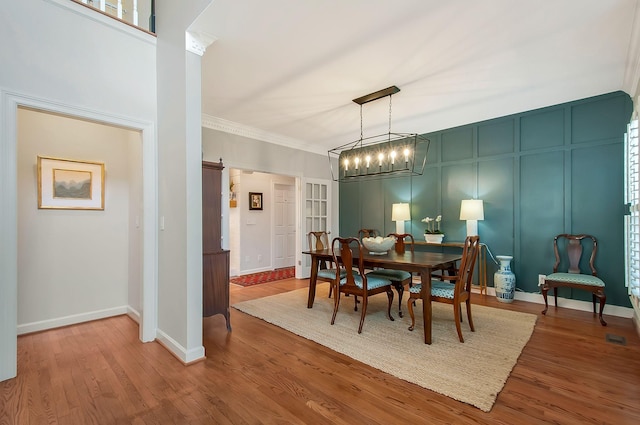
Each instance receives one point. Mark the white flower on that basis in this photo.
(439, 218)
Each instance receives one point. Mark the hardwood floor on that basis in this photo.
(99, 373)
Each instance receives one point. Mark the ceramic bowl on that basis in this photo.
(379, 245)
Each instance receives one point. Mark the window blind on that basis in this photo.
(632, 220)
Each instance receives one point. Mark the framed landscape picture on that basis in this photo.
(70, 184)
(255, 200)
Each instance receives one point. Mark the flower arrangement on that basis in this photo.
(433, 225)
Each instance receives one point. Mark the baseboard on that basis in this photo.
(58, 322)
(133, 314)
(612, 310)
(178, 351)
(260, 270)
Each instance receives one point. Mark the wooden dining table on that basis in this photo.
(419, 261)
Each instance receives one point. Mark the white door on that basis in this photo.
(316, 208)
(284, 250)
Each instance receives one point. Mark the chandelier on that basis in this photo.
(382, 154)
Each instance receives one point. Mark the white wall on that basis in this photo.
(55, 54)
(73, 265)
(245, 153)
(252, 229)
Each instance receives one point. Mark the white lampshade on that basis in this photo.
(472, 210)
(400, 213)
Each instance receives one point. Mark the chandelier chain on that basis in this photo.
(390, 113)
(361, 123)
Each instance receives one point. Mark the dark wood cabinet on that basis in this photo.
(215, 260)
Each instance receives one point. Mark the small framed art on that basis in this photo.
(255, 200)
(70, 184)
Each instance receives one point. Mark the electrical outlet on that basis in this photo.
(541, 278)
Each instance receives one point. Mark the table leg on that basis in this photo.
(425, 294)
(312, 281)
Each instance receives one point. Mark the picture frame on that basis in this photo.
(68, 184)
(255, 201)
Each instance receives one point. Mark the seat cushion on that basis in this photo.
(373, 282)
(330, 273)
(395, 275)
(438, 289)
(580, 279)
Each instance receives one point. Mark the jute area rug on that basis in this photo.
(473, 372)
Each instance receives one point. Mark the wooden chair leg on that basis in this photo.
(456, 314)
(336, 303)
(364, 311)
(400, 289)
(544, 295)
(410, 304)
(390, 297)
(468, 302)
(603, 298)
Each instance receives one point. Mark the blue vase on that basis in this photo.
(504, 281)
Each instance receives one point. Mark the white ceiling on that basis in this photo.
(290, 68)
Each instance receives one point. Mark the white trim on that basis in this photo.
(8, 238)
(134, 314)
(536, 298)
(187, 356)
(197, 42)
(74, 319)
(226, 126)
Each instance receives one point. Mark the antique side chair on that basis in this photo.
(568, 250)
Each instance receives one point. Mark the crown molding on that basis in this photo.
(197, 42)
(226, 126)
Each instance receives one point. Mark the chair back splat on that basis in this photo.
(319, 241)
(570, 249)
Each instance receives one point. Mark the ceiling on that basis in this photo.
(289, 69)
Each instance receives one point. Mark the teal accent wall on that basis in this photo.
(554, 170)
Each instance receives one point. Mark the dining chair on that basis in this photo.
(456, 292)
(398, 278)
(318, 241)
(568, 250)
(367, 233)
(355, 280)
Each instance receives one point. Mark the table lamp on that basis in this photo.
(400, 213)
(472, 210)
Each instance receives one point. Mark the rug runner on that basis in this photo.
(264, 277)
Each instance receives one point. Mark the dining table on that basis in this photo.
(419, 262)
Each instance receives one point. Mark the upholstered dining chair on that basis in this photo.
(398, 278)
(356, 281)
(456, 292)
(568, 250)
(318, 241)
